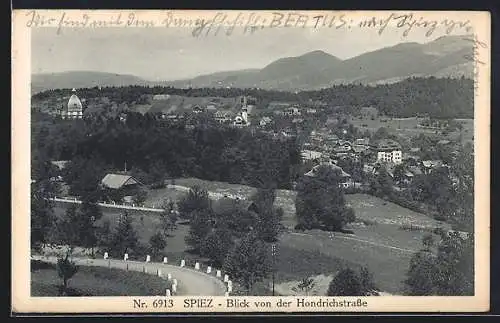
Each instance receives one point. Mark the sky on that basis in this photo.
(173, 53)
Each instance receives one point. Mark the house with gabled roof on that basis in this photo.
(346, 180)
(118, 181)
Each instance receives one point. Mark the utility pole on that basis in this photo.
(273, 253)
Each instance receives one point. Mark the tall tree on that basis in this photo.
(124, 238)
(269, 218)
(447, 269)
(217, 245)
(320, 202)
(168, 217)
(199, 227)
(42, 214)
(66, 269)
(248, 262)
(89, 213)
(196, 200)
(157, 243)
(67, 230)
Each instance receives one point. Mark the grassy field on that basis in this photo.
(407, 127)
(96, 281)
(380, 243)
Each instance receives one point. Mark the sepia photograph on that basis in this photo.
(321, 156)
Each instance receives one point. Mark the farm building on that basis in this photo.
(119, 181)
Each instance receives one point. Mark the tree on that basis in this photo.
(196, 200)
(104, 235)
(124, 238)
(367, 281)
(89, 213)
(421, 274)
(217, 245)
(157, 243)
(66, 269)
(83, 176)
(67, 229)
(168, 217)
(382, 184)
(140, 197)
(348, 282)
(305, 286)
(446, 271)
(345, 283)
(199, 227)
(248, 262)
(320, 202)
(42, 215)
(269, 218)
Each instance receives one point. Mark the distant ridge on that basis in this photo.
(444, 57)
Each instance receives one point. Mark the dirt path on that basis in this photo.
(189, 281)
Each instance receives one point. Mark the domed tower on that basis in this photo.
(74, 109)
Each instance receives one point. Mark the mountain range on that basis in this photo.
(447, 56)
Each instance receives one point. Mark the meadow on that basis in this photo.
(380, 240)
(95, 281)
(407, 127)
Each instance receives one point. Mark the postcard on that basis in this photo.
(200, 161)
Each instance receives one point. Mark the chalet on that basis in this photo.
(311, 154)
(265, 121)
(119, 181)
(288, 133)
(342, 148)
(429, 165)
(365, 142)
(197, 109)
(388, 151)
(346, 180)
(292, 111)
(211, 108)
(223, 116)
(332, 138)
(60, 164)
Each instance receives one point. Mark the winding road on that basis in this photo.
(190, 282)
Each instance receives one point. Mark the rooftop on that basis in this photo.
(116, 181)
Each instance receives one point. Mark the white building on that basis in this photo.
(388, 151)
(311, 154)
(74, 109)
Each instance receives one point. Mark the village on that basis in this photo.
(326, 138)
(308, 175)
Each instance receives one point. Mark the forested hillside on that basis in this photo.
(440, 98)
